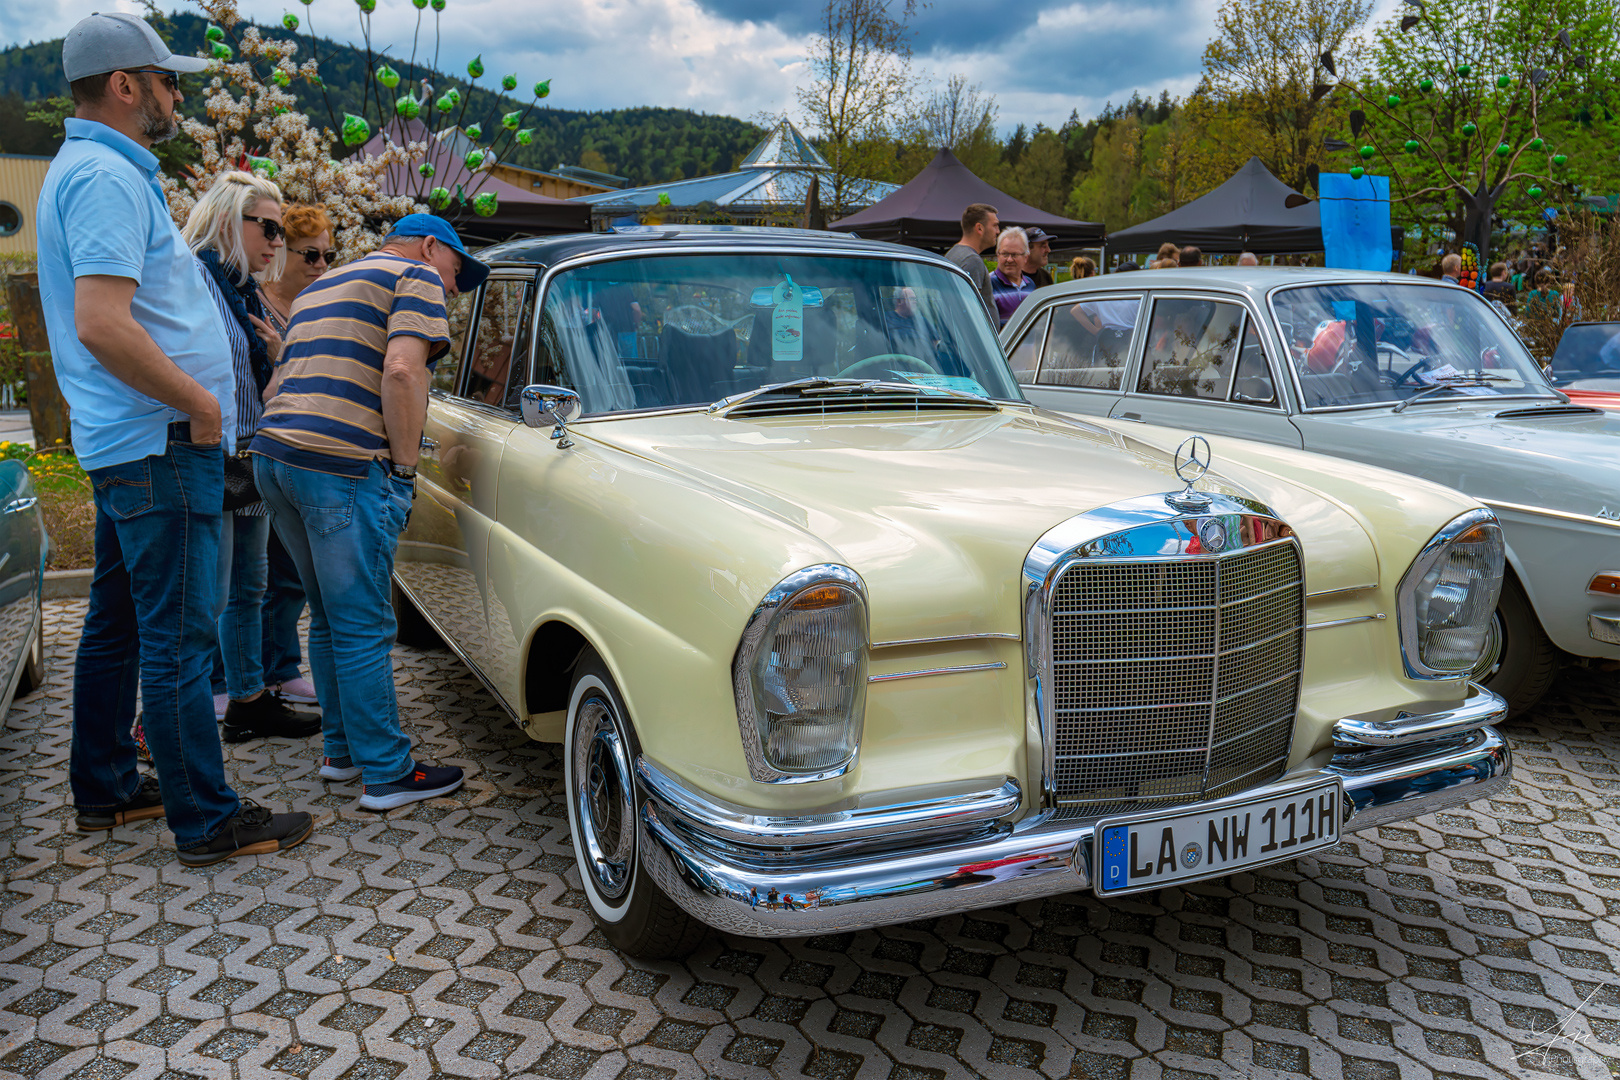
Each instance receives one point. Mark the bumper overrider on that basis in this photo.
(939, 851)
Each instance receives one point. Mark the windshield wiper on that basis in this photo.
(817, 385)
(1477, 379)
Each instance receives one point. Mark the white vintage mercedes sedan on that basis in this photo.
(837, 630)
(1375, 369)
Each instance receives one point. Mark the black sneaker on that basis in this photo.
(422, 782)
(253, 831)
(146, 803)
(267, 717)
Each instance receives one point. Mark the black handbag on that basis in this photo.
(240, 490)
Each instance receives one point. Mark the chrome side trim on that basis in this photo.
(910, 812)
(934, 671)
(1604, 628)
(942, 640)
(1039, 856)
(1542, 511)
(1405, 603)
(1380, 617)
(764, 615)
(1350, 590)
(1363, 732)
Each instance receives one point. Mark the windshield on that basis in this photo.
(1365, 343)
(674, 330)
(1587, 351)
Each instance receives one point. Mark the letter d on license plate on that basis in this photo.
(1150, 852)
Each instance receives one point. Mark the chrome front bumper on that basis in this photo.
(857, 869)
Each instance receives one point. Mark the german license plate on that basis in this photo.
(1139, 852)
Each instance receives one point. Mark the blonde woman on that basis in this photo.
(1081, 268)
(236, 231)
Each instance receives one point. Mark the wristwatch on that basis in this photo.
(403, 472)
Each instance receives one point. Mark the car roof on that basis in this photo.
(1251, 279)
(550, 250)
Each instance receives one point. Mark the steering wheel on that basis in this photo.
(1423, 362)
(876, 365)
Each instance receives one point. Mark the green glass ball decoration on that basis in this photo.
(485, 204)
(214, 33)
(438, 5)
(1412, 146)
(290, 21)
(387, 76)
(475, 66)
(444, 104)
(221, 51)
(664, 199)
(1535, 193)
(439, 198)
(408, 107)
(475, 132)
(279, 110)
(525, 137)
(542, 89)
(508, 83)
(1357, 173)
(1367, 153)
(426, 170)
(280, 78)
(1504, 81)
(1393, 100)
(419, 4)
(1426, 85)
(355, 130)
(510, 120)
(1536, 144)
(1503, 150)
(1560, 160)
(264, 167)
(1468, 130)
(454, 95)
(367, 6)
(473, 160)
(315, 81)
(1464, 70)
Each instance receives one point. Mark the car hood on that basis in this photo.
(1498, 452)
(937, 514)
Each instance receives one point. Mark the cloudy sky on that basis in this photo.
(745, 57)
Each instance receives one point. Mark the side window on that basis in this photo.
(499, 367)
(1027, 353)
(1253, 384)
(445, 371)
(1192, 349)
(1089, 343)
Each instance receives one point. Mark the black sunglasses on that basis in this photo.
(273, 229)
(311, 256)
(170, 79)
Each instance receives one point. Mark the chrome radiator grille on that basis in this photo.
(1174, 680)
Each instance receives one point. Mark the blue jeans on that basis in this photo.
(151, 624)
(242, 622)
(283, 607)
(341, 532)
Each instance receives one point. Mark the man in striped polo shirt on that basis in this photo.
(335, 458)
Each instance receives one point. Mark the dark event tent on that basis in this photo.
(1247, 213)
(927, 212)
(518, 212)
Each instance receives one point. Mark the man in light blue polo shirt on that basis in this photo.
(145, 366)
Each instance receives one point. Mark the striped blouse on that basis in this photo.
(248, 406)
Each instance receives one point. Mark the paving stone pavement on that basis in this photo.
(450, 940)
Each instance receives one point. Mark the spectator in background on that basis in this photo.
(1544, 301)
(1081, 268)
(235, 230)
(1248, 258)
(980, 227)
(1040, 250)
(1167, 250)
(1008, 282)
(1499, 288)
(1163, 264)
(1190, 256)
(309, 255)
(1450, 268)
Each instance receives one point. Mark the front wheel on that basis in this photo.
(628, 907)
(1527, 660)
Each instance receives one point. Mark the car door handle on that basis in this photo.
(1135, 418)
(16, 506)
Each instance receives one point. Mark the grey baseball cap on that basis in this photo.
(118, 42)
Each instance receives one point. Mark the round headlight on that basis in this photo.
(1447, 597)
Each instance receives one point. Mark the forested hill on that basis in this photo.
(649, 145)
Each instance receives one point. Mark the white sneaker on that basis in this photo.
(338, 769)
(221, 703)
(299, 691)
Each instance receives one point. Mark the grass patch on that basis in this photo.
(66, 500)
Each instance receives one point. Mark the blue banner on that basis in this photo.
(1355, 221)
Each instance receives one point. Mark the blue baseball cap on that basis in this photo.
(472, 273)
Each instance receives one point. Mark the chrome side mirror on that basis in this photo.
(542, 405)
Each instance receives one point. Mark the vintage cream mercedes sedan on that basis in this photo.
(836, 630)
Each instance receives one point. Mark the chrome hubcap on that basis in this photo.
(602, 799)
(1490, 657)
